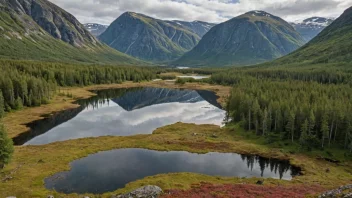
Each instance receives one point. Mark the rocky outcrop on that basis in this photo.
(343, 191)
(40, 30)
(143, 192)
(51, 18)
(198, 27)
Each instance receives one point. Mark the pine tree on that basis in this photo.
(311, 123)
(2, 105)
(256, 111)
(6, 147)
(304, 133)
(324, 130)
(290, 127)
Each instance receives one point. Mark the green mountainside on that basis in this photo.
(148, 38)
(251, 38)
(332, 46)
(40, 30)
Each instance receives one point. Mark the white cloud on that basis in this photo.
(105, 11)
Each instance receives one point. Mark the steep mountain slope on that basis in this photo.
(311, 27)
(332, 45)
(95, 29)
(251, 38)
(198, 27)
(40, 30)
(148, 38)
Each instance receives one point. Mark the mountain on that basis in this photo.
(40, 30)
(311, 27)
(251, 38)
(95, 29)
(148, 38)
(332, 45)
(198, 27)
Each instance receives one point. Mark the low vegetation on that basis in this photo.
(34, 163)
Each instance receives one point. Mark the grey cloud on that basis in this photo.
(105, 11)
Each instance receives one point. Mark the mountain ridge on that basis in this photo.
(251, 38)
(40, 30)
(311, 27)
(95, 28)
(148, 38)
(332, 45)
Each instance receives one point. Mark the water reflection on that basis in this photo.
(124, 112)
(110, 170)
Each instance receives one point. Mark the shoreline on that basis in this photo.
(16, 122)
(35, 163)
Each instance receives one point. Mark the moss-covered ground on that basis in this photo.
(32, 164)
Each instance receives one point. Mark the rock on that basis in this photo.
(143, 192)
(260, 182)
(338, 192)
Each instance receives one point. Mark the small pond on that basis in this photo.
(125, 112)
(194, 77)
(110, 170)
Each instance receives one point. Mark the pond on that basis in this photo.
(110, 170)
(194, 77)
(125, 112)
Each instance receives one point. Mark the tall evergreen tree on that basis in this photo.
(6, 147)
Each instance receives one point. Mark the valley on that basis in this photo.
(169, 102)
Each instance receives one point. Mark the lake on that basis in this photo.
(110, 170)
(125, 112)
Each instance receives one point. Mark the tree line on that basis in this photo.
(323, 76)
(24, 83)
(310, 113)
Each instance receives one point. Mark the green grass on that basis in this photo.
(28, 181)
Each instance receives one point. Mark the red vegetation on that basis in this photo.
(206, 190)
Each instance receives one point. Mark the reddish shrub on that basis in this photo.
(206, 190)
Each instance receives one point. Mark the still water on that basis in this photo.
(111, 170)
(125, 112)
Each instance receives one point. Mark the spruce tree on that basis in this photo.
(2, 105)
(6, 147)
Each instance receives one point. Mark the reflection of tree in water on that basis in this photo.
(276, 166)
(103, 97)
(42, 126)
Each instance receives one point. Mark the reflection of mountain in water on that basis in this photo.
(129, 100)
(137, 99)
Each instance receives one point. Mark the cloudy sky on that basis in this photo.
(105, 11)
